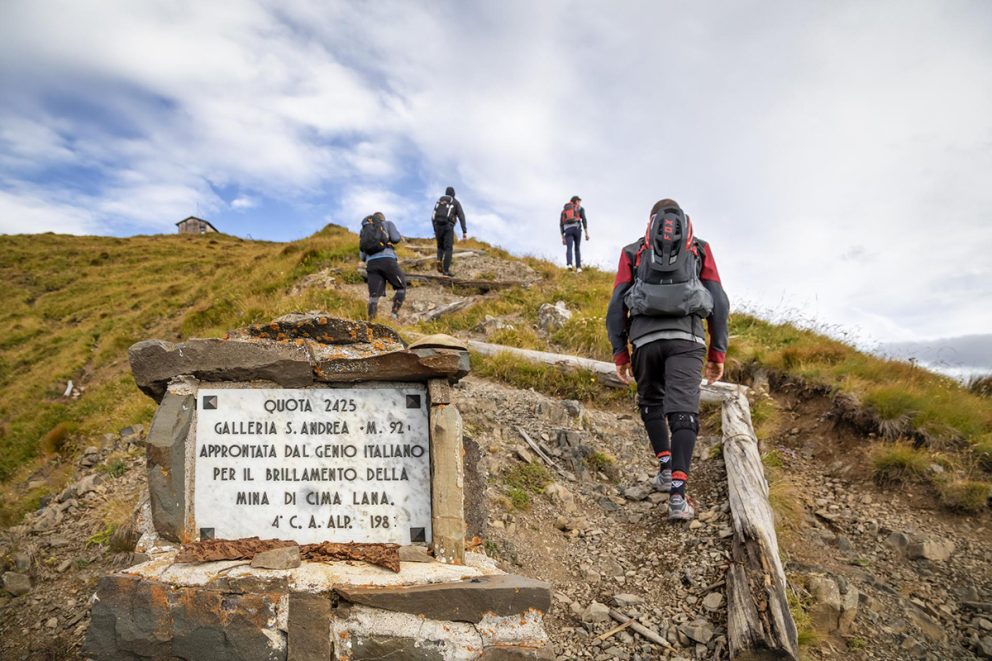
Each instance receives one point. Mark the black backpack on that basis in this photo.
(444, 210)
(373, 237)
(666, 270)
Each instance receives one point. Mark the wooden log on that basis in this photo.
(482, 285)
(537, 449)
(605, 372)
(441, 310)
(759, 624)
(447, 485)
(640, 628)
(448, 281)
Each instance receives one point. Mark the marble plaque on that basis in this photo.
(313, 465)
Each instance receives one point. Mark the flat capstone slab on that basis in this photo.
(463, 601)
(155, 362)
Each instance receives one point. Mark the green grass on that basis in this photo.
(982, 451)
(899, 462)
(72, 305)
(528, 477)
(968, 496)
(901, 394)
(519, 498)
(799, 607)
(600, 462)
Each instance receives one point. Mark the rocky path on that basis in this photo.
(60, 552)
(604, 539)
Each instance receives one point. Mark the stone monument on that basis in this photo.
(306, 501)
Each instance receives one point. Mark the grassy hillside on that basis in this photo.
(72, 305)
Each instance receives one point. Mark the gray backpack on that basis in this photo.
(666, 271)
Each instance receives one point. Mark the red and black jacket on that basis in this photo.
(622, 327)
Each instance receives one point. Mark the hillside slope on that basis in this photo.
(849, 488)
(72, 305)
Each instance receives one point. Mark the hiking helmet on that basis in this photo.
(449, 191)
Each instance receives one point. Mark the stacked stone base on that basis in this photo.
(228, 610)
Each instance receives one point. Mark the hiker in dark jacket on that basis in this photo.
(447, 213)
(667, 283)
(381, 263)
(572, 224)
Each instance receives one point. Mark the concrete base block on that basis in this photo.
(229, 610)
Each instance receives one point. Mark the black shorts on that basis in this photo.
(381, 271)
(668, 374)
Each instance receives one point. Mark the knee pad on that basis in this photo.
(677, 421)
(651, 413)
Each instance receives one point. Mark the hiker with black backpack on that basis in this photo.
(375, 242)
(572, 224)
(447, 213)
(667, 284)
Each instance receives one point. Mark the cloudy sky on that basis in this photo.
(837, 155)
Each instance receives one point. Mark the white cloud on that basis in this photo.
(243, 202)
(27, 212)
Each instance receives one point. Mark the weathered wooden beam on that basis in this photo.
(482, 285)
(759, 624)
(448, 281)
(447, 477)
(442, 310)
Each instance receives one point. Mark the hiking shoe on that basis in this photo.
(569, 267)
(680, 509)
(663, 481)
(578, 269)
(395, 316)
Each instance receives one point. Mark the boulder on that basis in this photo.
(561, 496)
(985, 647)
(325, 329)
(596, 612)
(16, 584)
(832, 610)
(713, 601)
(552, 317)
(935, 551)
(626, 600)
(699, 630)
